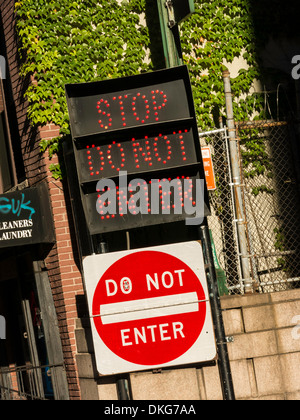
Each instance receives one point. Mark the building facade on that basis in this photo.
(24, 169)
(48, 352)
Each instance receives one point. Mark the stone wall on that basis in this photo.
(264, 351)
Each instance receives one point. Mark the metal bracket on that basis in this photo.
(171, 14)
(229, 339)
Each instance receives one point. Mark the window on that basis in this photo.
(7, 170)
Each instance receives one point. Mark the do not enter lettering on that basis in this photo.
(153, 281)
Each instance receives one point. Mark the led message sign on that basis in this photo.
(136, 154)
(139, 125)
(110, 105)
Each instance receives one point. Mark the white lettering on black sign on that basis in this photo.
(16, 229)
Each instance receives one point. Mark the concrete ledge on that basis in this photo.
(229, 302)
(107, 391)
(257, 344)
(237, 301)
(210, 386)
(286, 341)
(258, 318)
(89, 389)
(84, 340)
(179, 384)
(233, 321)
(293, 294)
(268, 375)
(86, 366)
(290, 367)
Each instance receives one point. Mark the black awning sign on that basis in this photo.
(16, 205)
(25, 217)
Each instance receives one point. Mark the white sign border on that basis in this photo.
(108, 363)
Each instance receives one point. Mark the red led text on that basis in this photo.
(138, 154)
(139, 108)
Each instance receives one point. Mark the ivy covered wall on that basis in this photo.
(86, 40)
(68, 42)
(219, 33)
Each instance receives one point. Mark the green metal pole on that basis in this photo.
(172, 52)
(170, 37)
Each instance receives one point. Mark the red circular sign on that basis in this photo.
(151, 307)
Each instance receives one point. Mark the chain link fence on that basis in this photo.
(269, 170)
(269, 161)
(222, 220)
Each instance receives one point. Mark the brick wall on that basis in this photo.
(64, 275)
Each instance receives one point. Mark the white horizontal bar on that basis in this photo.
(149, 308)
(207, 133)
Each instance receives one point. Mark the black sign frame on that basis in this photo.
(111, 134)
(26, 217)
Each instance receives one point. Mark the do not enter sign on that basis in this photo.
(149, 308)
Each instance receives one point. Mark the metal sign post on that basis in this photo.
(169, 34)
(182, 9)
(115, 131)
(223, 359)
(171, 43)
